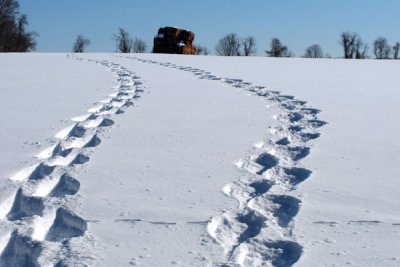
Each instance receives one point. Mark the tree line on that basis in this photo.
(231, 45)
(125, 44)
(14, 37)
(352, 45)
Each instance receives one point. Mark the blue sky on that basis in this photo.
(298, 23)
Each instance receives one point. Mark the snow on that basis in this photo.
(350, 211)
(39, 94)
(182, 138)
(166, 160)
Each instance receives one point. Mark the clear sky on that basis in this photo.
(298, 23)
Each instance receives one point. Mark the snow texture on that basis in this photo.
(200, 161)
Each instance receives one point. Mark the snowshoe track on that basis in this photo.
(36, 214)
(259, 231)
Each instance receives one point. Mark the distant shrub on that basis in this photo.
(382, 50)
(277, 49)
(202, 50)
(229, 45)
(314, 51)
(80, 44)
(139, 46)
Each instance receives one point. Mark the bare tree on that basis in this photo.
(229, 45)
(80, 44)
(249, 46)
(396, 49)
(381, 48)
(13, 34)
(314, 51)
(346, 41)
(139, 46)
(277, 49)
(360, 50)
(124, 41)
(202, 50)
(353, 46)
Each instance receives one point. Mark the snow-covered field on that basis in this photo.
(162, 160)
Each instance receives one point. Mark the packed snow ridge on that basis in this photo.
(38, 224)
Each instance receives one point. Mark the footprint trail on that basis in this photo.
(37, 224)
(259, 231)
